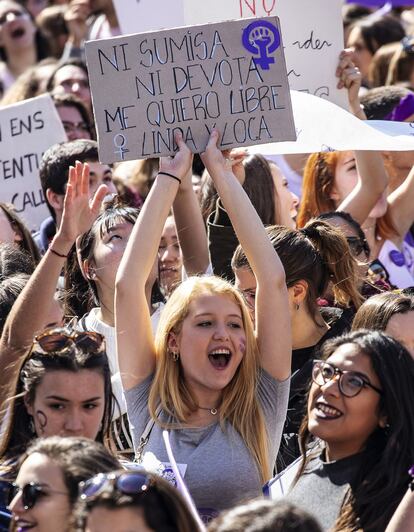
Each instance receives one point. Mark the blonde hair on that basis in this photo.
(239, 405)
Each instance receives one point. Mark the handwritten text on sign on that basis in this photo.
(26, 131)
(312, 32)
(231, 76)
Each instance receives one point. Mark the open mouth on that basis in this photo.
(168, 270)
(17, 33)
(22, 526)
(325, 411)
(220, 358)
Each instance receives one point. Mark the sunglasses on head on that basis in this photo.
(127, 483)
(31, 493)
(350, 383)
(59, 339)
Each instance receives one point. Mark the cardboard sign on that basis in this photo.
(323, 126)
(231, 76)
(27, 130)
(312, 32)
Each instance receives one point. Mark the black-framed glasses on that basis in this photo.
(125, 482)
(32, 492)
(61, 338)
(358, 246)
(350, 382)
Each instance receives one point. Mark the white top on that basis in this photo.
(93, 323)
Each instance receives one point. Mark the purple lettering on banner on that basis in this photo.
(380, 3)
(261, 38)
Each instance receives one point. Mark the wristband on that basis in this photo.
(411, 473)
(58, 254)
(170, 175)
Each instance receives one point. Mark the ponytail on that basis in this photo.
(339, 263)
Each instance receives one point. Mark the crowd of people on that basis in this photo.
(183, 334)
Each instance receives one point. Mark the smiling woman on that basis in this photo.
(46, 486)
(361, 408)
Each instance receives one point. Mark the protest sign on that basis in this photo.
(230, 75)
(312, 31)
(27, 129)
(323, 126)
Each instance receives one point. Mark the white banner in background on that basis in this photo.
(323, 126)
(27, 130)
(312, 32)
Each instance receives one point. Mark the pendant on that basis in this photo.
(213, 411)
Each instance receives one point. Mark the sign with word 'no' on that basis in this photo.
(230, 76)
(312, 32)
(27, 130)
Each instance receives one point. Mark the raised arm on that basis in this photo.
(30, 311)
(401, 205)
(403, 519)
(373, 178)
(135, 343)
(272, 315)
(191, 230)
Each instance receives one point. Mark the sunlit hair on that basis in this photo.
(318, 182)
(239, 405)
(78, 459)
(382, 478)
(377, 311)
(318, 254)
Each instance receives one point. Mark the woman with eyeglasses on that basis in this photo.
(21, 46)
(220, 386)
(46, 487)
(361, 411)
(130, 500)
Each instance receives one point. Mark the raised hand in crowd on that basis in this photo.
(271, 294)
(22, 323)
(76, 17)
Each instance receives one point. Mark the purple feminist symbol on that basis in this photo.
(261, 38)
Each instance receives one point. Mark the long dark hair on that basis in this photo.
(81, 293)
(78, 458)
(383, 477)
(258, 184)
(19, 433)
(318, 254)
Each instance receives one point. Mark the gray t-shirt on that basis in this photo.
(322, 487)
(216, 465)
